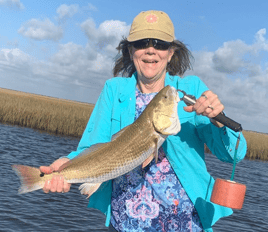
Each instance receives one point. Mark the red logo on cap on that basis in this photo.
(151, 18)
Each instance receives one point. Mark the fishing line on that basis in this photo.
(236, 148)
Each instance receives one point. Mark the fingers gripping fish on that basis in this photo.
(136, 144)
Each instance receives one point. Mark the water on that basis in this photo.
(37, 211)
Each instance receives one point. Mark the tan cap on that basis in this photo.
(151, 24)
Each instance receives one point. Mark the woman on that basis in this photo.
(174, 193)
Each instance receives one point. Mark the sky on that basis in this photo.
(67, 48)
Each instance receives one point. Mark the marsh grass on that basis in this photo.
(69, 118)
(257, 144)
(53, 115)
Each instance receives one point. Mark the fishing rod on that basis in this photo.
(190, 100)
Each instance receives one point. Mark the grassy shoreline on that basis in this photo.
(69, 118)
(54, 115)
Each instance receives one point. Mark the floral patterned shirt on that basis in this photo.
(152, 199)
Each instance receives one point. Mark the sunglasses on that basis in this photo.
(145, 43)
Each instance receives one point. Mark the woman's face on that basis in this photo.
(150, 63)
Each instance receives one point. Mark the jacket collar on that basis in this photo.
(129, 88)
(172, 80)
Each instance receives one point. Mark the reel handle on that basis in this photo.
(222, 118)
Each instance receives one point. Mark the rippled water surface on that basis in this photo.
(37, 211)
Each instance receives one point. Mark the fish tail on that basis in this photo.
(89, 188)
(30, 178)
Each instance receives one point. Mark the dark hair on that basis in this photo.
(180, 61)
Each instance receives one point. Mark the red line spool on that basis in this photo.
(228, 193)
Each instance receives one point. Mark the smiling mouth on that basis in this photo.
(150, 61)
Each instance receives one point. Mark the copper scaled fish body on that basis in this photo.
(134, 145)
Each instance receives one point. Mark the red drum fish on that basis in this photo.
(134, 145)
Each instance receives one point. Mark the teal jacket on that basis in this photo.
(115, 109)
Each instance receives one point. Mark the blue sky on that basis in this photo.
(66, 49)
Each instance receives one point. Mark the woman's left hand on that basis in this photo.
(208, 105)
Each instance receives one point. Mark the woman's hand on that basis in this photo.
(57, 183)
(208, 105)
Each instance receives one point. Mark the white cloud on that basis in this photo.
(229, 57)
(239, 57)
(64, 11)
(107, 36)
(260, 36)
(261, 41)
(15, 67)
(12, 4)
(112, 31)
(12, 55)
(14, 61)
(70, 54)
(41, 30)
(82, 64)
(89, 27)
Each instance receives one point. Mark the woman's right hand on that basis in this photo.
(57, 183)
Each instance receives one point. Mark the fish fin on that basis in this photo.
(89, 188)
(30, 178)
(151, 157)
(119, 133)
(148, 160)
(156, 150)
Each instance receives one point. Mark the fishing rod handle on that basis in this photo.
(235, 126)
(191, 100)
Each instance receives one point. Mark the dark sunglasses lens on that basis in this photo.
(161, 45)
(157, 44)
(141, 44)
